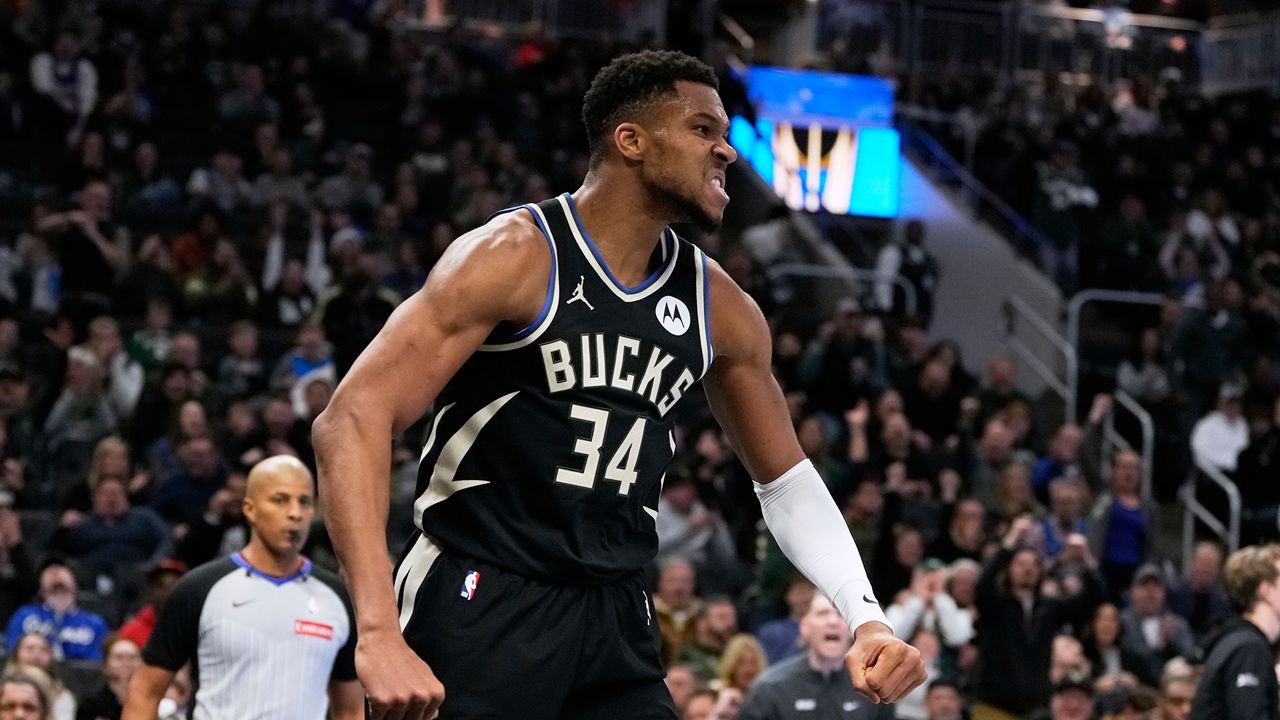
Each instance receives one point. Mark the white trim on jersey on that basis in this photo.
(554, 280)
(442, 484)
(431, 441)
(704, 315)
(412, 573)
(604, 274)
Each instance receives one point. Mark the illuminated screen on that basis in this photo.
(823, 140)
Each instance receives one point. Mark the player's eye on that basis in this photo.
(703, 129)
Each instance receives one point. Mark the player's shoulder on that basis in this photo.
(511, 237)
(737, 324)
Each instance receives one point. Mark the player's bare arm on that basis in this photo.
(749, 405)
(496, 273)
(146, 690)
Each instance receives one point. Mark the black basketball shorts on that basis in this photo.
(509, 648)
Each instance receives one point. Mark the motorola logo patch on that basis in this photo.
(673, 315)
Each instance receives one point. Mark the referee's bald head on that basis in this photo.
(277, 467)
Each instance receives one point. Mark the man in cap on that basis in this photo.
(1150, 629)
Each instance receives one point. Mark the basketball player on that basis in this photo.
(555, 342)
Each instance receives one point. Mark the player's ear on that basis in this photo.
(630, 139)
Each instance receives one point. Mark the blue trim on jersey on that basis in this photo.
(551, 282)
(573, 207)
(706, 307)
(302, 572)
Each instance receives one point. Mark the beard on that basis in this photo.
(686, 209)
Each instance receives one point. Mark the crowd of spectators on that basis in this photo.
(209, 209)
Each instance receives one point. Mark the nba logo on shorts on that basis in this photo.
(469, 585)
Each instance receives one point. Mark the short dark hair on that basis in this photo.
(630, 84)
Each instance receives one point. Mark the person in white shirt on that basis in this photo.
(1218, 437)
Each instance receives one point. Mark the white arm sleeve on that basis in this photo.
(812, 534)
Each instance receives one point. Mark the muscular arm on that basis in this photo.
(146, 690)
(797, 506)
(498, 272)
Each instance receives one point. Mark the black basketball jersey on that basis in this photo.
(548, 448)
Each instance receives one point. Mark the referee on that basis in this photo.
(1239, 680)
(268, 635)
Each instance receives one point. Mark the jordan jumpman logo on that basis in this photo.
(577, 295)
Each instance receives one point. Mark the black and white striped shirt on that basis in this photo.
(261, 646)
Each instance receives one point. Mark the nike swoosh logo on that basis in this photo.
(868, 598)
(235, 604)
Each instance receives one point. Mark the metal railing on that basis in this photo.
(1012, 38)
(557, 18)
(1112, 439)
(1026, 240)
(1240, 53)
(1075, 307)
(855, 277)
(1016, 309)
(1193, 509)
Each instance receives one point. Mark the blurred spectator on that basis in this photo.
(676, 606)
(687, 529)
(1218, 438)
(353, 314)
(943, 701)
(91, 251)
(241, 373)
(1115, 665)
(181, 499)
(1017, 622)
(17, 566)
(73, 633)
(1065, 517)
(123, 658)
(681, 683)
(221, 529)
(1072, 699)
(780, 638)
(1122, 525)
(113, 534)
(221, 185)
(925, 605)
(160, 580)
(66, 86)
(917, 266)
(1000, 388)
(741, 663)
(1062, 460)
(1198, 596)
(1127, 258)
(80, 417)
(1207, 346)
(34, 651)
(22, 697)
(965, 523)
(352, 190)
(311, 353)
(815, 684)
(124, 375)
(712, 628)
(1150, 629)
(1256, 467)
(1143, 374)
(1064, 202)
(1176, 695)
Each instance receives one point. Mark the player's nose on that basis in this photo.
(725, 152)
